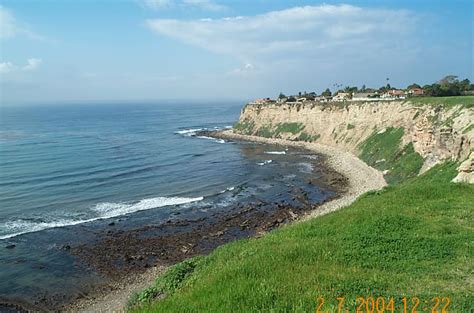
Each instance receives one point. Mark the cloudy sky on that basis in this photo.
(97, 50)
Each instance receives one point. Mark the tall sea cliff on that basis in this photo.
(401, 138)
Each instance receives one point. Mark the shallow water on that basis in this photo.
(68, 171)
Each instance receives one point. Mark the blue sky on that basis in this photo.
(97, 50)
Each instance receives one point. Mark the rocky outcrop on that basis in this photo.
(466, 171)
(437, 132)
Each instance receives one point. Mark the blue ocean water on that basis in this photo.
(67, 170)
(64, 165)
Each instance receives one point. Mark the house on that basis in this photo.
(341, 96)
(323, 99)
(262, 101)
(416, 92)
(365, 96)
(397, 93)
(394, 94)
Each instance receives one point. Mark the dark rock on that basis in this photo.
(111, 224)
(10, 246)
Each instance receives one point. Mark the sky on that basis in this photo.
(105, 50)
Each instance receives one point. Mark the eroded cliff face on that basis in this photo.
(436, 132)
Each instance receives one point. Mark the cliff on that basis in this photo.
(400, 138)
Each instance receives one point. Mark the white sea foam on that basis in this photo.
(311, 156)
(104, 210)
(189, 132)
(213, 139)
(228, 189)
(275, 152)
(108, 209)
(193, 133)
(265, 162)
(305, 167)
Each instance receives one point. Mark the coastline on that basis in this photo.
(360, 178)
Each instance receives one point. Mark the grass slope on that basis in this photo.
(412, 239)
(384, 151)
(466, 101)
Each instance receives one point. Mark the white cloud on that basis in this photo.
(6, 67)
(10, 27)
(158, 4)
(246, 69)
(31, 65)
(309, 31)
(8, 24)
(207, 5)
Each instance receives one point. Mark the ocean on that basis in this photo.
(67, 171)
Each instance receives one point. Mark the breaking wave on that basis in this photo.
(100, 211)
(275, 152)
(193, 132)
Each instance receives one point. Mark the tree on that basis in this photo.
(448, 86)
(349, 89)
(414, 85)
(326, 93)
(447, 80)
(363, 89)
(465, 85)
(281, 95)
(385, 88)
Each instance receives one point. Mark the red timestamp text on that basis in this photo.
(383, 305)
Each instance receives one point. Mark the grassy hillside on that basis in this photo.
(384, 151)
(467, 101)
(412, 239)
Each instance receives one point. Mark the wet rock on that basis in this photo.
(292, 214)
(10, 246)
(112, 224)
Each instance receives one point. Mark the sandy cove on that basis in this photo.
(361, 178)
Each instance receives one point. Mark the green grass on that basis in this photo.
(265, 131)
(412, 239)
(293, 128)
(384, 151)
(350, 126)
(307, 137)
(466, 101)
(166, 284)
(245, 127)
(468, 129)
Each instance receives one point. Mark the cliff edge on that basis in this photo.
(400, 138)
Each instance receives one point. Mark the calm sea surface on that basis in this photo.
(67, 169)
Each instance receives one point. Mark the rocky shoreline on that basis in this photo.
(131, 259)
(361, 178)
